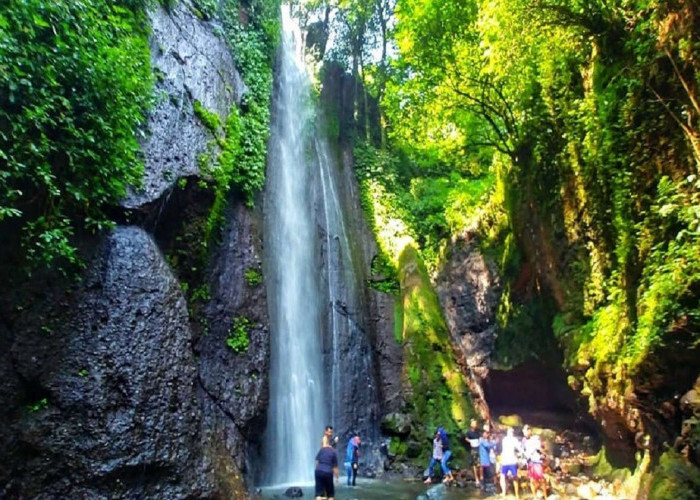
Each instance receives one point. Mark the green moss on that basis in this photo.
(675, 479)
(38, 406)
(254, 45)
(438, 393)
(205, 9)
(238, 338)
(253, 277)
(209, 119)
(384, 278)
(397, 446)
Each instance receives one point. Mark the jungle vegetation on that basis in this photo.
(564, 136)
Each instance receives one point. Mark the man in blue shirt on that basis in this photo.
(352, 458)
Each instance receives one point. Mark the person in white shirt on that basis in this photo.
(509, 462)
(533, 452)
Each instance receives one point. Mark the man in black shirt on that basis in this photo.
(472, 440)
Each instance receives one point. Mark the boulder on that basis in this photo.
(112, 387)
(294, 492)
(396, 424)
(690, 403)
(436, 492)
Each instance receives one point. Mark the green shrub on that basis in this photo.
(675, 479)
(238, 338)
(253, 277)
(75, 79)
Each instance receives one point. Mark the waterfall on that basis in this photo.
(321, 370)
(297, 410)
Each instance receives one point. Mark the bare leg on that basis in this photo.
(504, 484)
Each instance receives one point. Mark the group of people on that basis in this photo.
(494, 461)
(327, 464)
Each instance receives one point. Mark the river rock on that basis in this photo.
(690, 403)
(294, 492)
(436, 492)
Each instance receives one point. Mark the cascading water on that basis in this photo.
(297, 410)
(321, 369)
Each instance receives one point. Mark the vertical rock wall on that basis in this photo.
(468, 287)
(109, 386)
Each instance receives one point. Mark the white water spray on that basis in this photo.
(297, 410)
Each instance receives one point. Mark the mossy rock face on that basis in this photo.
(396, 424)
(675, 479)
(435, 388)
(604, 469)
(413, 449)
(397, 447)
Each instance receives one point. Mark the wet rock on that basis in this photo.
(468, 287)
(388, 352)
(112, 386)
(294, 492)
(191, 63)
(396, 424)
(236, 383)
(436, 492)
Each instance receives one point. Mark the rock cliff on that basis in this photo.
(119, 383)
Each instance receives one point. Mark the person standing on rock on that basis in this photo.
(532, 447)
(485, 447)
(352, 458)
(438, 455)
(472, 440)
(509, 462)
(326, 468)
(446, 454)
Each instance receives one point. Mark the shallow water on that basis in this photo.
(375, 489)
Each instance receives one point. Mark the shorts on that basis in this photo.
(474, 457)
(511, 469)
(535, 471)
(324, 484)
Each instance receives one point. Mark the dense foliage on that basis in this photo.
(75, 80)
(253, 44)
(564, 136)
(586, 114)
